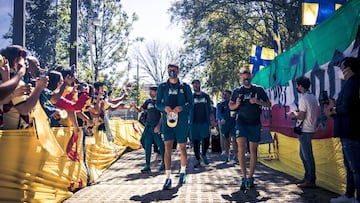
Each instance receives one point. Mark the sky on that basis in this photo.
(5, 20)
(153, 23)
(154, 20)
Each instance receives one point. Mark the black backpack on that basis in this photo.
(142, 117)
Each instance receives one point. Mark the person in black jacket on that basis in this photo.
(201, 118)
(345, 112)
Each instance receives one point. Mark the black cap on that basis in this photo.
(175, 65)
(195, 81)
(98, 84)
(153, 87)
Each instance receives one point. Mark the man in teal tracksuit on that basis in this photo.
(201, 118)
(151, 134)
(174, 99)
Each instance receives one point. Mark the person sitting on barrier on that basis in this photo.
(18, 114)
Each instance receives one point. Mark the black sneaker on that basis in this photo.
(182, 178)
(197, 164)
(244, 184)
(167, 184)
(146, 169)
(205, 159)
(162, 167)
(251, 182)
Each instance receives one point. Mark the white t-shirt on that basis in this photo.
(308, 104)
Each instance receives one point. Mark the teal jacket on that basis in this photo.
(208, 111)
(184, 99)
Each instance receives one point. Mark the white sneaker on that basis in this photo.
(342, 199)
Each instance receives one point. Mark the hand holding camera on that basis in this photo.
(2, 61)
(43, 73)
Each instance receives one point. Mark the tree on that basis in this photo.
(219, 34)
(110, 37)
(153, 60)
(40, 30)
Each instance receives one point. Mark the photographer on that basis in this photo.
(308, 115)
(19, 113)
(33, 73)
(7, 85)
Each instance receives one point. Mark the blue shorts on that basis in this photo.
(251, 132)
(179, 132)
(199, 131)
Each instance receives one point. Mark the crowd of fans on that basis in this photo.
(66, 100)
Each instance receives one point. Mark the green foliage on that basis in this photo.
(109, 40)
(41, 30)
(219, 34)
(48, 34)
(62, 53)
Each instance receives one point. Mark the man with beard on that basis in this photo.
(174, 100)
(247, 100)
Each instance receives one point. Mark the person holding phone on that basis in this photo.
(20, 107)
(308, 115)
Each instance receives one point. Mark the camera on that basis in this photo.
(43, 73)
(82, 87)
(72, 70)
(324, 98)
(2, 61)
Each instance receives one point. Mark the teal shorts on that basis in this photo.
(199, 131)
(179, 132)
(226, 131)
(251, 132)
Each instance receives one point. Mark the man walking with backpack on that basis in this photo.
(151, 134)
(175, 101)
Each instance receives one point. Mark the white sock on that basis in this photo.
(183, 169)
(167, 173)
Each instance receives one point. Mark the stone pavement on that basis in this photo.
(216, 182)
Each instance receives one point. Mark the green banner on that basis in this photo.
(316, 48)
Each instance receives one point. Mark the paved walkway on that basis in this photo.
(217, 182)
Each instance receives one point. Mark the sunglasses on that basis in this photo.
(245, 72)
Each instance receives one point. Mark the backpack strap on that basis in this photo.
(182, 85)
